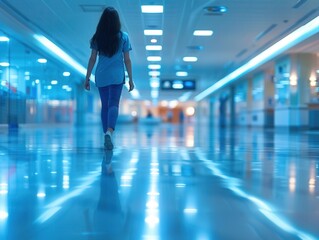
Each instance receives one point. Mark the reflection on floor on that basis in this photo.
(166, 182)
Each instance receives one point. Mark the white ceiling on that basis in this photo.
(239, 34)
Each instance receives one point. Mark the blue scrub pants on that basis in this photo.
(110, 99)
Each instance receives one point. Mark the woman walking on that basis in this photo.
(112, 46)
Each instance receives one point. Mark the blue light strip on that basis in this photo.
(299, 35)
(55, 50)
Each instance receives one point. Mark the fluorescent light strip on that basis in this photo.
(204, 33)
(42, 60)
(153, 32)
(284, 44)
(60, 53)
(153, 47)
(181, 74)
(154, 66)
(154, 58)
(152, 8)
(4, 64)
(190, 59)
(154, 83)
(154, 73)
(66, 74)
(4, 39)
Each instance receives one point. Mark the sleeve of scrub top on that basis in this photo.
(127, 45)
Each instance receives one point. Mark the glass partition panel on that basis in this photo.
(34, 88)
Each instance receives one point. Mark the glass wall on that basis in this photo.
(282, 83)
(33, 87)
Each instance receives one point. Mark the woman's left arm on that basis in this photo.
(91, 64)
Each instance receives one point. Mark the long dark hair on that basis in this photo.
(107, 37)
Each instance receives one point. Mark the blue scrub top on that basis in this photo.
(110, 70)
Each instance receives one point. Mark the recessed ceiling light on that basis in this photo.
(153, 40)
(154, 47)
(181, 74)
(37, 81)
(154, 73)
(154, 82)
(42, 60)
(4, 64)
(4, 39)
(153, 32)
(154, 58)
(154, 66)
(190, 59)
(54, 82)
(152, 8)
(205, 33)
(66, 74)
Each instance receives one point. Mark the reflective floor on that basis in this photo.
(160, 182)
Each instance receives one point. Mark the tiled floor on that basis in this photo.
(160, 182)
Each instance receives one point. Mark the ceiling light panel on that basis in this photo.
(154, 83)
(154, 66)
(4, 39)
(66, 74)
(153, 47)
(4, 64)
(154, 58)
(154, 73)
(156, 32)
(203, 33)
(181, 74)
(152, 8)
(190, 59)
(42, 60)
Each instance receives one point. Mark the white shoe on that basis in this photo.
(108, 144)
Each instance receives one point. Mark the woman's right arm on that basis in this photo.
(91, 64)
